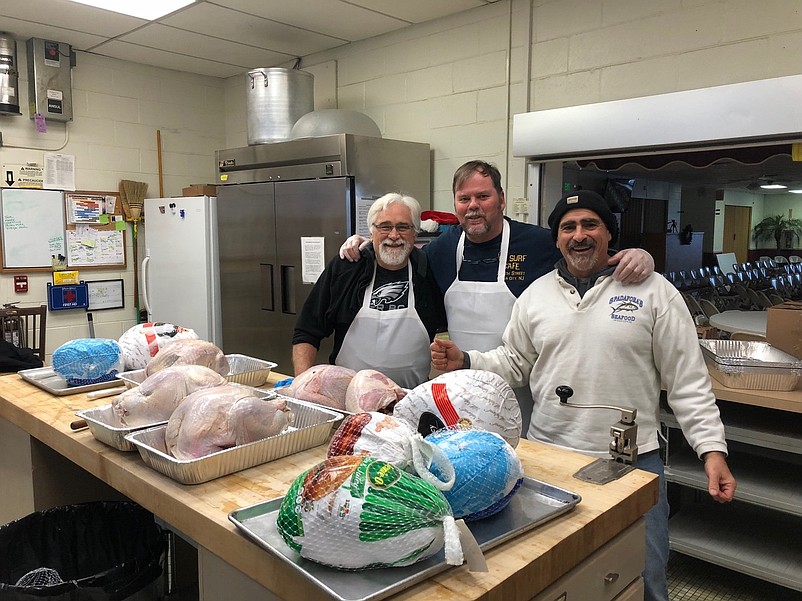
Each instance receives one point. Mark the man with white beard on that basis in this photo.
(384, 311)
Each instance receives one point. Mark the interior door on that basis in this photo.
(246, 229)
(737, 220)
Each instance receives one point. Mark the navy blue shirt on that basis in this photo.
(532, 253)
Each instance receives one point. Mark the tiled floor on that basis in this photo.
(691, 579)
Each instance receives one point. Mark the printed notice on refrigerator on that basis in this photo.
(362, 207)
(313, 260)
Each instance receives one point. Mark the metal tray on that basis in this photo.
(47, 379)
(534, 504)
(312, 427)
(105, 426)
(242, 370)
(751, 364)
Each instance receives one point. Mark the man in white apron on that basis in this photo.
(384, 311)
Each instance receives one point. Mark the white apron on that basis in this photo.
(394, 342)
(478, 312)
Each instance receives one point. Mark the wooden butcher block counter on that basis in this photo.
(518, 569)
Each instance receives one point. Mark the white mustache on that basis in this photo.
(581, 246)
(474, 214)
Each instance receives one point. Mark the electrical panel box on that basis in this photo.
(50, 79)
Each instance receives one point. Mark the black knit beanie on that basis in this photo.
(584, 199)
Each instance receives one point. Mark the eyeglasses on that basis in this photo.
(386, 228)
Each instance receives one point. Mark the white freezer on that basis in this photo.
(179, 276)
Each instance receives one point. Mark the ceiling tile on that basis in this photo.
(219, 22)
(168, 60)
(78, 18)
(329, 17)
(163, 37)
(23, 30)
(418, 11)
(220, 37)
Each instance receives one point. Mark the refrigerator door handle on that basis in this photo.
(268, 296)
(143, 282)
(288, 289)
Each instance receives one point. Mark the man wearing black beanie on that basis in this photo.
(613, 345)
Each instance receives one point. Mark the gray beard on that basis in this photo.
(393, 255)
(584, 263)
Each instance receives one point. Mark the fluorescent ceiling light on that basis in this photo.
(773, 187)
(795, 191)
(144, 9)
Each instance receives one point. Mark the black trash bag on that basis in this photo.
(101, 551)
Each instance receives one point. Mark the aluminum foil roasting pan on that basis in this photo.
(105, 426)
(312, 426)
(751, 364)
(243, 369)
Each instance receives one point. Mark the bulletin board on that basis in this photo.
(33, 228)
(95, 230)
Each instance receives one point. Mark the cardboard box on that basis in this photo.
(199, 190)
(784, 327)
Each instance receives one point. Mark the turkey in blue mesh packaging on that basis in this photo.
(487, 471)
(88, 361)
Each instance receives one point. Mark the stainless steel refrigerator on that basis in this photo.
(283, 211)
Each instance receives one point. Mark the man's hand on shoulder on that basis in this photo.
(352, 247)
(633, 265)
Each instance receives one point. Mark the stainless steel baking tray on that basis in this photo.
(242, 370)
(47, 379)
(105, 426)
(312, 427)
(751, 364)
(534, 504)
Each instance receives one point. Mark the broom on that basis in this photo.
(132, 196)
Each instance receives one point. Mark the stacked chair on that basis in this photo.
(751, 286)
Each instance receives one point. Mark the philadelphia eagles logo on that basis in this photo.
(389, 296)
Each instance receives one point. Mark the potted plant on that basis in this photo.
(774, 227)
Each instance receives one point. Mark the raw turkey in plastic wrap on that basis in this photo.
(141, 342)
(386, 438)
(488, 471)
(213, 419)
(322, 384)
(189, 352)
(371, 390)
(88, 361)
(157, 397)
(355, 513)
(468, 398)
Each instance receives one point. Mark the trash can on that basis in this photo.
(86, 552)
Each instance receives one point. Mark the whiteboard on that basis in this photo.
(33, 227)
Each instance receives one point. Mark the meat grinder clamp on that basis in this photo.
(623, 447)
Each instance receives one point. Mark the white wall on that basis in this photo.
(118, 107)
(453, 83)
